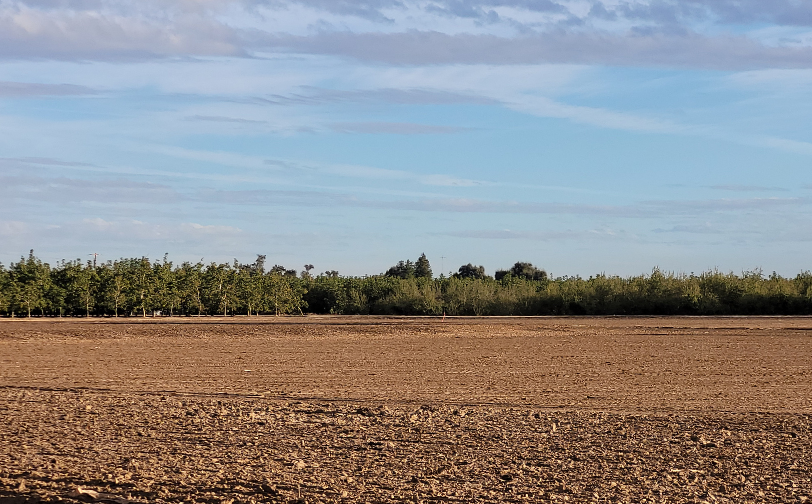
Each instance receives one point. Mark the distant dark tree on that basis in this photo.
(528, 271)
(281, 270)
(402, 270)
(523, 270)
(331, 274)
(471, 271)
(422, 268)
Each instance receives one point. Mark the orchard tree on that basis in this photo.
(190, 286)
(143, 285)
(220, 287)
(81, 285)
(285, 293)
(251, 285)
(115, 281)
(30, 279)
(5, 289)
(167, 295)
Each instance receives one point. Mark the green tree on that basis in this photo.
(284, 293)
(190, 285)
(402, 270)
(116, 278)
(167, 296)
(5, 289)
(422, 268)
(220, 287)
(142, 285)
(471, 271)
(30, 279)
(251, 285)
(81, 283)
(523, 270)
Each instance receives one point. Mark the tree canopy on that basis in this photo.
(141, 287)
(523, 270)
(471, 271)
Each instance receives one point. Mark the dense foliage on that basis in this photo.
(140, 287)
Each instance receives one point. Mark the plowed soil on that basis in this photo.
(367, 409)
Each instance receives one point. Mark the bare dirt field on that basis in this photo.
(368, 409)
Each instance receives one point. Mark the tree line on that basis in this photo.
(141, 287)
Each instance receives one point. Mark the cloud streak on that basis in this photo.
(393, 128)
(639, 210)
(65, 190)
(662, 33)
(35, 90)
(688, 50)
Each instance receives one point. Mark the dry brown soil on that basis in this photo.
(355, 409)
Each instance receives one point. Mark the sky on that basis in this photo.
(586, 137)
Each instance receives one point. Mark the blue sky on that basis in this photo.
(583, 136)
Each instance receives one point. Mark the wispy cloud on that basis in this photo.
(693, 33)
(747, 188)
(375, 173)
(137, 229)
(46, 161)
(393, 128)
(12, 228)
(703, 228)
(311, 95)
(223, 119)
(66, 190)
(507, 234)
(37, 90)
(661, 50)
(639, 210)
